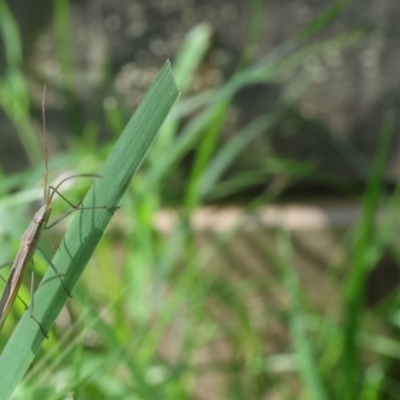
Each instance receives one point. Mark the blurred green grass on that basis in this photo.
(158, 316)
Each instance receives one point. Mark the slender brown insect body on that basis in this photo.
(27, 248)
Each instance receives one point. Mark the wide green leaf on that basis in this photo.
(87, 229)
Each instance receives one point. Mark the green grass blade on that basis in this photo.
(326, 17)
(365, 242)
(87, 229)
(62, 31)
(186, 63)
(189, 58)
(14, 97)
(306, 361)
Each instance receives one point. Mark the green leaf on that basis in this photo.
(87, 229)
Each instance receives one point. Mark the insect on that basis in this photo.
(30, 238)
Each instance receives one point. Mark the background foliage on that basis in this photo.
(172, 313)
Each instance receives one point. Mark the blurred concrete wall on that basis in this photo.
(123, 43)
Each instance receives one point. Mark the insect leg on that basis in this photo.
(5, 281)
(74, 208)
(55, 271)
(65, 215)
(32, 301)
(5, 264)
(63, 197)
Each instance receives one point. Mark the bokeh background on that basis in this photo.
(255, 255)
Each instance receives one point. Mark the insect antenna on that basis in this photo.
(46, 164)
